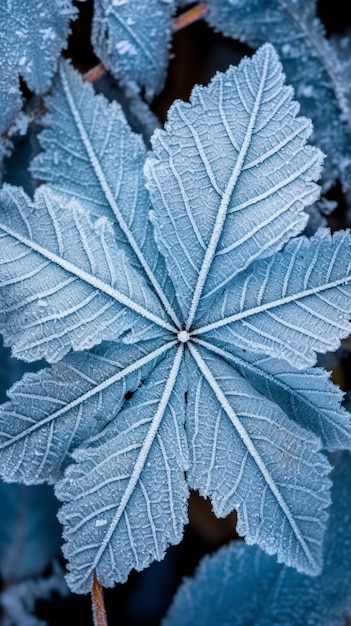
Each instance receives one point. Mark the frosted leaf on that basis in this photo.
(100, 165)
(290, 306)
(132, 40)
(193, 387)
(312, 66)
(132, 478)
(74, 400)
(78, 286)
(214, 216)
(33, 34)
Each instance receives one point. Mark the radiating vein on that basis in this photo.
(332, 415)
(227, 194)
(111, 200)
(141, 460)
(245, 438)
(95, 282)
(271, 305)
(88, 395)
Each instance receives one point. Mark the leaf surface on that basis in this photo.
(214, 216)
(312, 65)
(127, 493)
(291, 305)
(307, 397)
(53, 412)
(31, 39)
(172, 401)
(275, 480)
(91, 155)
(79, 289)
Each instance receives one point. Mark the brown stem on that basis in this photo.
(95, 73)
(190, 16)
(98, 604)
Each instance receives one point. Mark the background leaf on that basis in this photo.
(32, 36)
(132, 40)
(256, 591)
(311, 63)
(30, 535)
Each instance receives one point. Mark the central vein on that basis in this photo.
(223, 207)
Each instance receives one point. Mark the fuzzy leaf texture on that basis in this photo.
(242, 426)
(32, 35)
(256, 591)
(132, 40)
(72, 270)
(78, 396)
(110, 160)
(313, 65)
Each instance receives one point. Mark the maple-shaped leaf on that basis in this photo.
(32, 35)
(256, 591)
(132, 40)
(312, 63)
(177, 400)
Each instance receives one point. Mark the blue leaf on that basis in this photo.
(132, 40)
(127, 494)
(308, 397)
(73, 400)
(243, 586)
(229, 180)
(79, 289)
(241, 208)
(291, 305)
(275, 480)
(100, 164)
(33, 34)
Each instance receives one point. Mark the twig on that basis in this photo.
(98, 604)
(95, 73)
(190, 16)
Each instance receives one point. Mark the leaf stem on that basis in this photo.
(98, 604)
(190, 16)
(95, 73)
